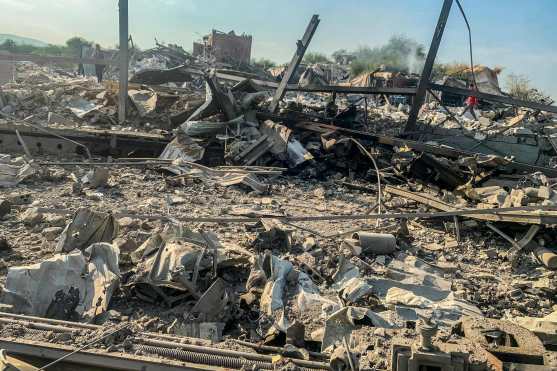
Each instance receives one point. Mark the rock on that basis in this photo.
(5, 207)
(4, 244)
(32, 216)
(309, 243)
(52, 232)
(125, 245)
(319, 193)
(97, 177)
(127, 222)
(55, 220)
(491, 253)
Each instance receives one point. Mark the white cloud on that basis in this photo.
(17, 5)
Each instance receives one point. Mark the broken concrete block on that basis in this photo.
(52, 232)
(32, 216)
(96, 177)
(5, 207)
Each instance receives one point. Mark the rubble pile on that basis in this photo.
(316, 232)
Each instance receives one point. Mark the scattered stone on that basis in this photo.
(52, 233)
(32, 216)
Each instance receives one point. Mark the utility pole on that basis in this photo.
(124, 32)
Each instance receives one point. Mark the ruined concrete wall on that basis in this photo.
(229, 47)
(198, 49)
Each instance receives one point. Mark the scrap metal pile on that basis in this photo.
(304, 232)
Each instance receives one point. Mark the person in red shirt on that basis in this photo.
(471, 103)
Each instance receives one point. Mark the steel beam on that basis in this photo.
(494, 98)
(419, 99)
(265, 84)
(420, 146)
(99, 142)
(123, 57)
(301, 47)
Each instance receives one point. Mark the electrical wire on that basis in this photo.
(368, 154)
(469, 43)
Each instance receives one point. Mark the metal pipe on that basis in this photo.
(278, 350)
(48, 321)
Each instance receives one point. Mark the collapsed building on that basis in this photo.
(234, 221)
(225, 47)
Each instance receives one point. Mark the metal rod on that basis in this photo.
(421, 215)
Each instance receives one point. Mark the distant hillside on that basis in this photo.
(19, 40)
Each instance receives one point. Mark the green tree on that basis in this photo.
(339, 54)
(264, 63)
(9, 45)
(315, 57)
(75, 43)
(400, 53)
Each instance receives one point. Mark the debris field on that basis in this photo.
(237, 219)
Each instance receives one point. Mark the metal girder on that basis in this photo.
(419, 99)
(494, 98)
(420, 146)
(301, 47)
(99, 142)
(320, 89)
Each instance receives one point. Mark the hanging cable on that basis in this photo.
(469, 43)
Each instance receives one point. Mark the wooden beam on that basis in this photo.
(301, 48)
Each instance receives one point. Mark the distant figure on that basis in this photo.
(99, 68)
(80, 68)
(471, 103)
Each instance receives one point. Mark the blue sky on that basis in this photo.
(520, 36)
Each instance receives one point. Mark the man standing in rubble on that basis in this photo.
(471, 103)
(99, 68)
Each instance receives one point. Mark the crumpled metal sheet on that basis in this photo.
(93, 274)
(12, 172)
(276, 271)
(81, 107)
(184, 149)
(11, 175)
(87, 227)
(145, 101)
